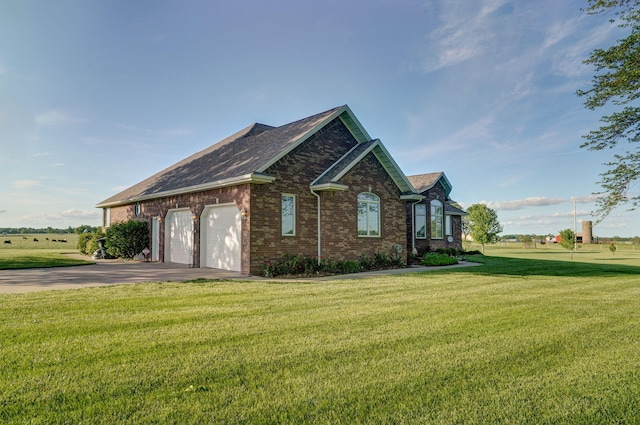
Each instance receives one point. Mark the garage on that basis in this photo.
(220, 237)
(179, 236)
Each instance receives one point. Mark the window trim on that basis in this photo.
(282, 217)
(369, 202)
(436, 217)
(106, 217)
(448, 228)
(415, 220)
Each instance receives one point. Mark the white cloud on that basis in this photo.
(25, 184)
(56, 118)
(59, 164)
(73, 213)
(3, 211)
(535, 201)
(585, 199)
(63, 216)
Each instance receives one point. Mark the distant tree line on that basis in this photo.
(84, 228)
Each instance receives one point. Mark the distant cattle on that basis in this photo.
(47, 238)
(36, 240)
(62, 240)
(7, 241)
(24, 237)
(54, 240)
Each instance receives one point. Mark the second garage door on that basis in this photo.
(220, 237)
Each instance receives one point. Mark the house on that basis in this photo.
(434, 221)
(319, 187)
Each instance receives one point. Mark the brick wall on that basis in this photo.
(294, 173)
(340, 241)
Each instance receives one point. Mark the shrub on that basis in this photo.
(127, 239)
(437, 259)
(88, 242)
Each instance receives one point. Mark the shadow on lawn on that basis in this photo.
(494, 265)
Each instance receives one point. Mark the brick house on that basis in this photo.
(318, 187)
(434, 221)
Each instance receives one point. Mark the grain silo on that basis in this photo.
(587, 232)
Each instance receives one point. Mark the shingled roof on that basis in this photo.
(423, 182)
(240, 158)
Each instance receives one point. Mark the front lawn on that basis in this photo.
(518, 340)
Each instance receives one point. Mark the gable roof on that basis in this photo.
(451, 209)
(329, 180)
(424, 182)
(240, 158)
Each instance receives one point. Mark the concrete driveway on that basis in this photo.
(103, 273)
(113, 272)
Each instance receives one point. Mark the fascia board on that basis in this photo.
(233, 181)
(329, 187)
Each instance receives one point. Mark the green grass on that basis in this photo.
(530, 337)
(23, 252)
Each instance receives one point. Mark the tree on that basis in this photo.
(617, 83)
(483, 224)
(568, 240)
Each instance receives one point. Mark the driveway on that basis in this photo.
(113, 272)
(102, 273)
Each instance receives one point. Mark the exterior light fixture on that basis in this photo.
(244, 213)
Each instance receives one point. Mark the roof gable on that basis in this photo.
(330, 179)
(424, 182)
(240, 158)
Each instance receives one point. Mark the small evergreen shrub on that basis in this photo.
(127, 239)
(437, 259)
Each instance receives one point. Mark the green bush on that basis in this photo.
(292, 265)
(88, 241)
(127, 239)
(437, 259)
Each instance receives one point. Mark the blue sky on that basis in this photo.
(98, 95)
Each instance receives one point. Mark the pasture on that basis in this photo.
(529, 337)
(38, 250)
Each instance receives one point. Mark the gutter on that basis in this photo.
(319, 226)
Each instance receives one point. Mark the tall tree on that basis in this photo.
(483, 224)
(617, 83)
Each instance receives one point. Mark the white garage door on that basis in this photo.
(179, 237)
(220, 237)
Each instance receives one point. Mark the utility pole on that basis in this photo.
(575, 229)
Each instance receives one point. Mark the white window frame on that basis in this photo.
(106, 217)
(420, 220)
(365, 205)
(293, 215)
(437, 219)
(447, 225)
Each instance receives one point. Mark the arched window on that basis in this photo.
(437, 215)
(368, 215)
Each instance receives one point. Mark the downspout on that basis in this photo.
(414, 251)
(319, 227)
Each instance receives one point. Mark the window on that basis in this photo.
(138, 209)
(288, 215)
(436, 220)
(447, 225)
(368, 215)
(421, 221)
(106, 217)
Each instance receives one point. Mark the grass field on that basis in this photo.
(530, 337)
(25, 252)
